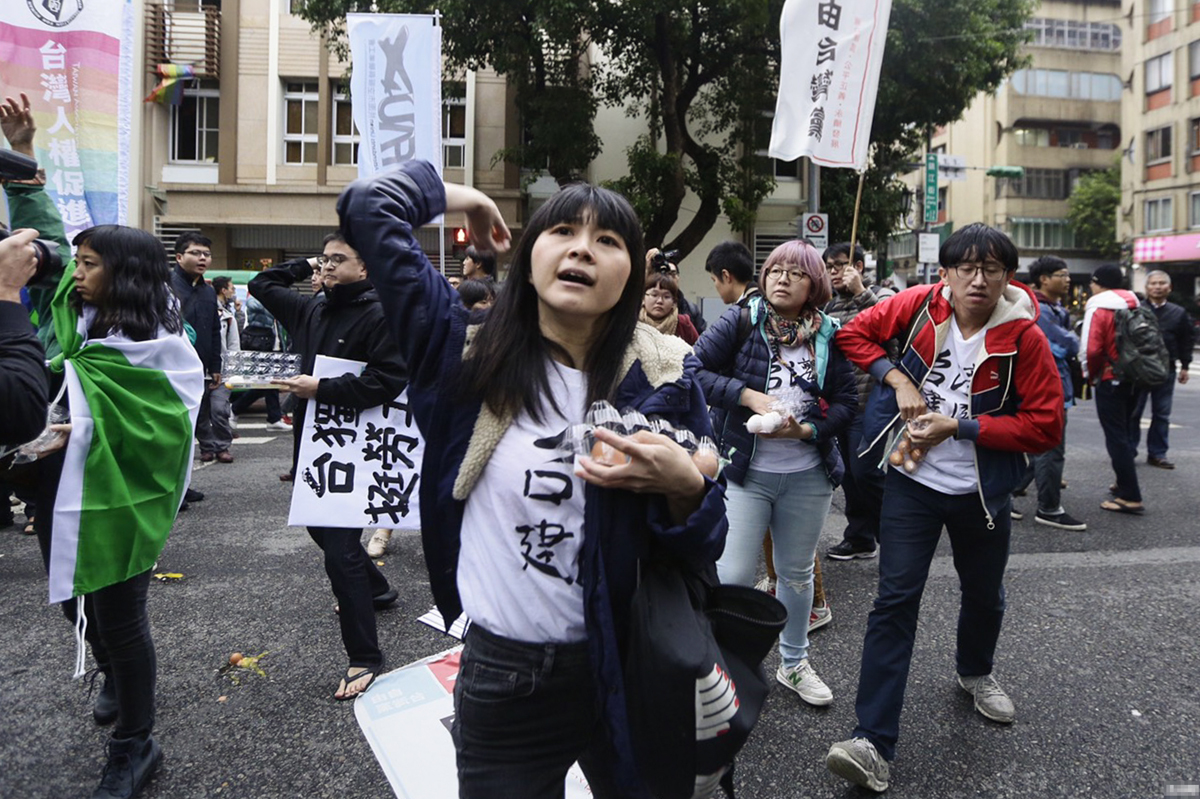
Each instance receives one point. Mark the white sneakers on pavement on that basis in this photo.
(805, 682)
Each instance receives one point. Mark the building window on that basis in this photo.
(345, 132)
(1032, 137)
(194, 124)
(454, 133)
(1042, 184)
(1067, 85)
(1194, 209)
(1067, 137)
(1042, 234)
(1074, 35)
(786, 171)
(1158, 215)
(1194, 60)
(1194, 136)
(902, 245)
(1158, 72)
(1158, 145)
(1160, 10)
(300, 122)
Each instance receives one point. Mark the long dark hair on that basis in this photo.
(506, 367)
(135, 298)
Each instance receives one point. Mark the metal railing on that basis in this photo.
(184, 33)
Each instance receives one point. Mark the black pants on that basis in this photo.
(270, 396)
(118, 628)
(355, 581)
(862, 485)
(1115, 406)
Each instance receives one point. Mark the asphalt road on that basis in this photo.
(1099, 653)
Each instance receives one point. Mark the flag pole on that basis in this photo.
(854, 225)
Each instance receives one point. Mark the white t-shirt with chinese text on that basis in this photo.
(950, 466)
(522, 529)
(788, 455)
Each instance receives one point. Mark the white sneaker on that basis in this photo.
(805, 682)
(858, 760)
(279, 425)
(819, 617)
(232, 422)
(378, 545)
(766, 585)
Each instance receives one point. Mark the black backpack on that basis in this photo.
(1142, 357)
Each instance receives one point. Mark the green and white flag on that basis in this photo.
(129, 456)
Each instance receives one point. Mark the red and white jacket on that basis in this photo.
(1100, 332)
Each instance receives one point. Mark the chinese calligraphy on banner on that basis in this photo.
(829, 77)
(75, 61)
(396, 89)
(357, 468)
(406, 718)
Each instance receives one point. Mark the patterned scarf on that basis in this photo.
(788, 333)
(667, 325)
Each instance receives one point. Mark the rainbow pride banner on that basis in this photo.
(170, 89)
(74, 59)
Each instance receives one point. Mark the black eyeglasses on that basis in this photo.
(992, 271)
(335, 260)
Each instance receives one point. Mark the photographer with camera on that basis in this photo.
(24, 393)
(29, 206)
(667, 263)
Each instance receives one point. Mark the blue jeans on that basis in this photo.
(523, 713)
(1115, 404)
(1160, 418)
(794, 506)
(912, 522)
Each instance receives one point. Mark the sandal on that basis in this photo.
(370, 672)
(1121, 506)
(28, 529)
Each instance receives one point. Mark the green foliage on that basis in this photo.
(1092, 209)
(703, 75)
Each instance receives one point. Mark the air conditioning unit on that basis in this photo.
(1079, 145)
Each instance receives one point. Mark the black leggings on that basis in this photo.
(118, 628)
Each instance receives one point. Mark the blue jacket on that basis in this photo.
(1055, 322)
(726, 364)
(427, 319)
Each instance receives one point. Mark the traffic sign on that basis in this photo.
(931, 188)
(927, 247)
(815, 228)
(952, 167)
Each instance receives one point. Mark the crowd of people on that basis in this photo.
(922, 405)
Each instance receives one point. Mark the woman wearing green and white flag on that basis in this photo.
(132, 383)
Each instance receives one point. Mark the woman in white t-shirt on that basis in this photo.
(777, 354)
(538, 548)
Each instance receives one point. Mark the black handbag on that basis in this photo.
(693, 676)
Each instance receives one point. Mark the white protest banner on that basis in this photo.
(357, 468)
(396, 89)
(831, 51)
(75, 61)
(406, 717)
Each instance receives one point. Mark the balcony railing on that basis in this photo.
(184, 34)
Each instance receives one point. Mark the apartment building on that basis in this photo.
(1058, 118)
(1160, 199)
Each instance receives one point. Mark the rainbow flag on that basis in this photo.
(170, 89)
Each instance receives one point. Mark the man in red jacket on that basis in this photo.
(975, 387)
(1116, 402)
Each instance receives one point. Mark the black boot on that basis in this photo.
(104, 712)
(131, 762)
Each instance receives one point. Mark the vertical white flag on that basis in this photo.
(396, 89)
(831, 51)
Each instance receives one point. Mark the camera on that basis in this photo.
(661, 262)
(14, 166)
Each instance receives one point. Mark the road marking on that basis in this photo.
(1164, 556)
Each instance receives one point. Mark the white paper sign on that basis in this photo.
(406, 717)
(830, 54)
(396, 89)
(357, 468)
